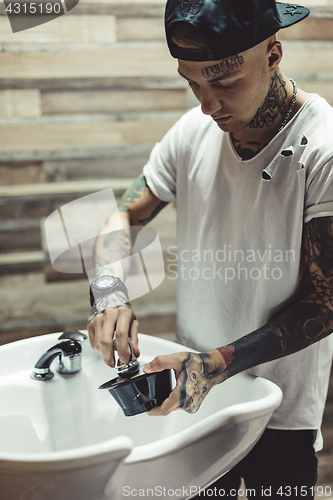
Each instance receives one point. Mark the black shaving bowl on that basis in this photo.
(140, 393)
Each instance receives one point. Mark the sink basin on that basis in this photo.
(63, 439)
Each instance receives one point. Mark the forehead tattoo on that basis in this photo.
(223, 67)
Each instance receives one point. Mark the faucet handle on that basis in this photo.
(73, 335)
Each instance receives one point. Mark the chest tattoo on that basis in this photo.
(247, 150)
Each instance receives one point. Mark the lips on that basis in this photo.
(222, 119)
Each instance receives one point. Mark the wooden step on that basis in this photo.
(40, 200)
(59, 298)
(25, 240)
(42, 308)
(18, 264)
(69, 165)
(33, 103)
(114, 101)
(54, 135)
(93, 83)
(129, 165)
(21, 263)
(10, 331)
(24, 234)
(21, 172)
(107, 64)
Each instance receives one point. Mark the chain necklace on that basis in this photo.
(291, 107)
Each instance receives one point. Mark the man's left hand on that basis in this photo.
(195, 375)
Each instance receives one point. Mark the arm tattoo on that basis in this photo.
(154, 213)
(110, 248)
(116, 245)
(306, 322)
(133, 194)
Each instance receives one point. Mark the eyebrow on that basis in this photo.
(217, 78)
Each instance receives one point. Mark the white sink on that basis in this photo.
(63, 439)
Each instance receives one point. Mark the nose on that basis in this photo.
(210, 101)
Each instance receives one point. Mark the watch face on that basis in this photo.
(105, 282)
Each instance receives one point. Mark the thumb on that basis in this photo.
(164, 362)
(156, 365)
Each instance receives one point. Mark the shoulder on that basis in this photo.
(315, 123)
(317, 119)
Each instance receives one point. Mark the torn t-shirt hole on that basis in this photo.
(304, 141)
(265, 175)
(288, 151)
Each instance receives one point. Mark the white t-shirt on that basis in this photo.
(239, 240)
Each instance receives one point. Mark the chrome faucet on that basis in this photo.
(69, 352)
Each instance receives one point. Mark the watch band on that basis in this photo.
(98, 293)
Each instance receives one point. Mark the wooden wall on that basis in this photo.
(82, 101)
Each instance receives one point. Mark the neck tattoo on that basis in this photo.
(273, 106)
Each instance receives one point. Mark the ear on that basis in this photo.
(274, 52)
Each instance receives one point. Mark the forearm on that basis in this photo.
(137, 207)
(112, 247)
(298, 327)
(308, 321)
(113, 312)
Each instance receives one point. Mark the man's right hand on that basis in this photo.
(112, 317)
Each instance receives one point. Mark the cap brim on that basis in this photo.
(291, 13)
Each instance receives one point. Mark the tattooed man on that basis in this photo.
(251, 169)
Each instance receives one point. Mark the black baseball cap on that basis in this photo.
(230, 26)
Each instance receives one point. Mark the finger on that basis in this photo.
(91, 334)
(170, 404)
(134, 337)
(169, 361)
(122, 330)
(94, 328)
(106, 337)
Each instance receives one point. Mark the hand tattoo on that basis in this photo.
(200, 372)
(112, 301)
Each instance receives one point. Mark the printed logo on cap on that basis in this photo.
(191, 7)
